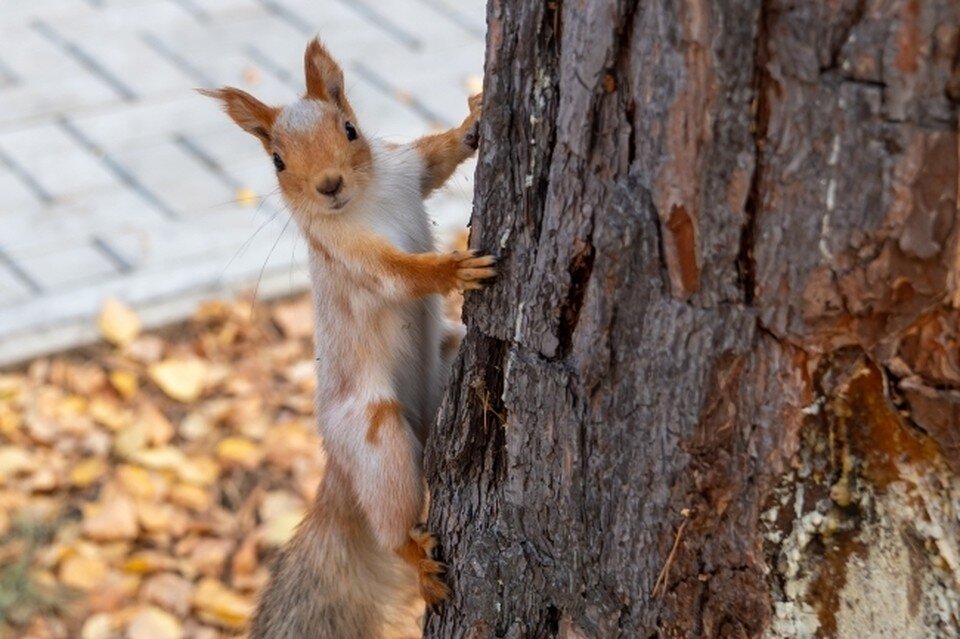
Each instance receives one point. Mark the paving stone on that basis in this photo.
(59, 266)
(55, 160)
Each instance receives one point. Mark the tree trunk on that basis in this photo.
(715, 391)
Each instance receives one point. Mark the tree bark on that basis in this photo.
(715, 391)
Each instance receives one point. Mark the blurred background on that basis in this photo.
(157, 438)
(117, 179)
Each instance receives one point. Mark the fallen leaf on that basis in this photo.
(209, 556)
(140, 483)
(14, 461)
(200, 470)
(125, 383)
(279, 529)
(148, 561)
(219, 605)
(246, 197)
(113, 518)
(165, 458)
(118, 323)
(107, 412)
(195, 426)
(170, 591)
(83, 573)
(99, 626)
(239, 451)
(181, 379)
(154, 623)
(87, 472)
(191, 497)
(146, 350)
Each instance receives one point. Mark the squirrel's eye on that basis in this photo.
(277, 162)
(351, 131)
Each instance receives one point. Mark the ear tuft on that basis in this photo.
(250, 114)
(324, 77)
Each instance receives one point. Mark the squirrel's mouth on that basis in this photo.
(339, 204)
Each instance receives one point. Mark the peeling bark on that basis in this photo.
(715, 391)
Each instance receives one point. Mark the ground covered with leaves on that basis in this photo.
(146, 482)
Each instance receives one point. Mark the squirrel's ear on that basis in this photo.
(324, 77)
(252, 115)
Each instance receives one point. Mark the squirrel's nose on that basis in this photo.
(330, 185)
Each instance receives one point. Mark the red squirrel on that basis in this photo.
(351, 570)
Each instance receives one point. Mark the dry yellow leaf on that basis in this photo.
(113, 518)
(118, 323)
(158, 427)
(87, 472)
(201, 470)
(99, 626)
(109, 413)
(164, 458)
(181, 379)
(148, 561)
(239, 451)
(14, 461)
(170, 591)
(246, 196)
(191, 497)
(140, 483)
(154, 623)
(217, 604)
(125, 383)
(279, 529)
(130, 440)
(209, 556)
(83, 572)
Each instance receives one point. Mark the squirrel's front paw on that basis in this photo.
(429, 571)
(471, 126)
(471, 269)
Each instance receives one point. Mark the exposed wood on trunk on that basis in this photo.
(730, 246)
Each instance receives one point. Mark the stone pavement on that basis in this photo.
(117, 179)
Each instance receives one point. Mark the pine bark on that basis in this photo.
(719, 368)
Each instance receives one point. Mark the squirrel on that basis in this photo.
(359, 559)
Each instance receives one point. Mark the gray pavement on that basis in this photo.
(117, 179)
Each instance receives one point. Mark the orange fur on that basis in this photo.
(445, 151)
(252, 115)
(380, 413)
(418, 552)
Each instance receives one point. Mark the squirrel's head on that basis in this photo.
(321, 158)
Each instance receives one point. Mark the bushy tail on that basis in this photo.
(333, 581)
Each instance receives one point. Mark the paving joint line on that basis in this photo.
(457, 17)
(386, 24)
(113, 256)
(181, 63)
(289, 16)
(126, 177)
(7, 76)
(85, 59)
(273, 68)
(38, 190)
(196, 11)
(20, 273)
(196, 152)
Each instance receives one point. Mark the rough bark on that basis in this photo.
(715, 391)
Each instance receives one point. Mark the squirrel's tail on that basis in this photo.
(334, 581)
